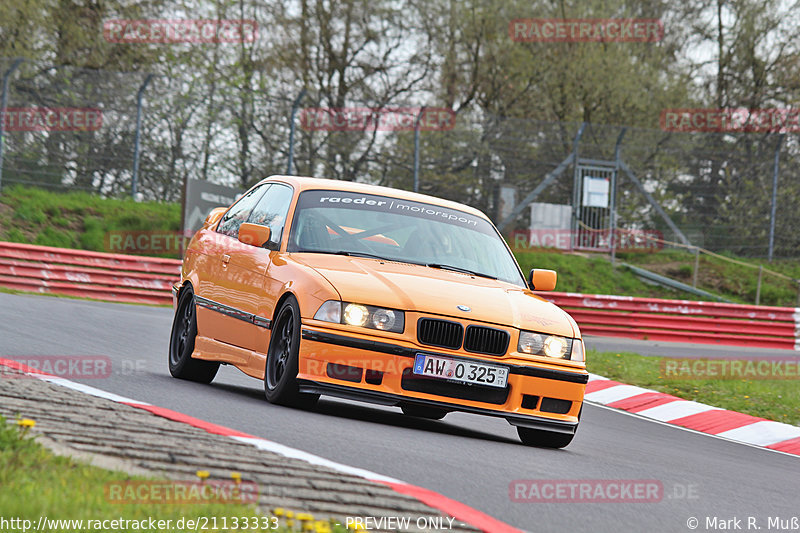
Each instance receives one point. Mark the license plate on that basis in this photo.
(457, 370)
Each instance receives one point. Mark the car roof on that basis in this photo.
(303, 183)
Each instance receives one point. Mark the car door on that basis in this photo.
(249, 288)
(215, 317)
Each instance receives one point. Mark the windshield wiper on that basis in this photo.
(459, 269)
(360, 254)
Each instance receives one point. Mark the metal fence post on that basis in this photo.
(696, 266)
(3, 105)
(758, 285)
(798, 292)
(295, 106)
(416, 148)
(576, 186)
(136, 141)
(774, 196)
(613, 211)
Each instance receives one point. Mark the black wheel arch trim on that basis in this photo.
(393, 349)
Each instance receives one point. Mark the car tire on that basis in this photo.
(181, 343)
(423, 411)
(544, 439)
(280, 374)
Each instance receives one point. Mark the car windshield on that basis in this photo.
(382, 227)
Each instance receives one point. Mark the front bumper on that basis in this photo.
(379, 372)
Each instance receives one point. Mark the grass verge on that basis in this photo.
(36, 483)
(594, 274)
(771, 399)
(78, 219)
(730, 279)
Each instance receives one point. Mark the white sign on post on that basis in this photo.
(595, 192)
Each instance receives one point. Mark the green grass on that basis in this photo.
(35, 483)
(734, 281)
(77, 219)
(593, 274)
(771, 399)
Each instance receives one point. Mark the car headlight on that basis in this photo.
(366, 316)
(355, 314)
(549, 345)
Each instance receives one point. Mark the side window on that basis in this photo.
(238, 213)
(272, 209)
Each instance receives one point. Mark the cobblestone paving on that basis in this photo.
(134, 440)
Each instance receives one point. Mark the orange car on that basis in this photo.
(375, 294)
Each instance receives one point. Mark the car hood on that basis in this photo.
(429, 290)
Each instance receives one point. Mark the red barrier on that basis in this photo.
(130, 278)
(112, 277)
(682, 323)
(682, 320)
(132, 263)
(85, 275)
(681, 307)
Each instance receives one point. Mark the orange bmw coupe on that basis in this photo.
(324, 287)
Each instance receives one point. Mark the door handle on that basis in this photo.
(226, 258)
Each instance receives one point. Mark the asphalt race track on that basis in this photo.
(469, 458)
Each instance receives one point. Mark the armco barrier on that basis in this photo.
(130, 278)
(682, 320)
(113, 277)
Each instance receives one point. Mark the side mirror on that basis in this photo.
(254, 234)
(542, 280)
(213, 216)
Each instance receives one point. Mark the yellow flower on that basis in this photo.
(26, 422)
(237, 477)
(308, 526)
(746, 396)
(278, 511)
(289, 514)
(290, 523)
(304, 517)
(202, 474)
